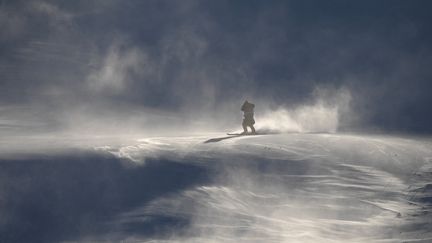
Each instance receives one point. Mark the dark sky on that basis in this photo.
(192, 57)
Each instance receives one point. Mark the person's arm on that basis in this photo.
(243, 106)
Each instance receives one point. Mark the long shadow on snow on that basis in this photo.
(66, 197)
(218, 139)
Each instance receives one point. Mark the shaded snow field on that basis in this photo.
(289, 188)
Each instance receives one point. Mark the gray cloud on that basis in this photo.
(198, 60)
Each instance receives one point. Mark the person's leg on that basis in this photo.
(244, 127)
(253, 129)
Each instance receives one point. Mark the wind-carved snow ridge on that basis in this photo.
(158, 147)
(295, 188)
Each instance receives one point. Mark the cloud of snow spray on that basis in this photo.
(323, 115)
(294, 188)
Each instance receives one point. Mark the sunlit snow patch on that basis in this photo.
(292, 188)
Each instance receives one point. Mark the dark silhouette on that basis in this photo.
(215, 140)
(248, 114)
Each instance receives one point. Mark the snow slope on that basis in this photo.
(286, 188)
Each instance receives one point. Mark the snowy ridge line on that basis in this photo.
(345, 174)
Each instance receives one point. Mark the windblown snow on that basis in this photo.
(288, 188)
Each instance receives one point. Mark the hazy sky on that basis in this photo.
(63, 61)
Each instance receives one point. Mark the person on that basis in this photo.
(248, 117)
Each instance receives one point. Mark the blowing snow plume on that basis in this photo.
(323, 115)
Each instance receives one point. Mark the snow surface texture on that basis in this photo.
(289, 188)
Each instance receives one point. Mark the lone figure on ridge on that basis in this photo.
(248, 114)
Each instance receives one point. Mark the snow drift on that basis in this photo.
(290, 188)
